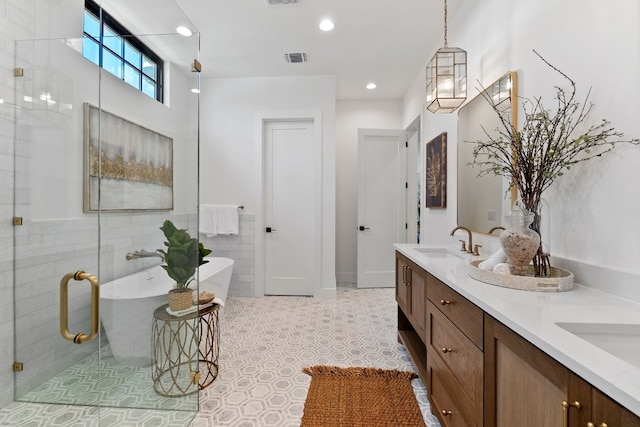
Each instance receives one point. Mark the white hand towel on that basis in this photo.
(209, 220)
(502, 268)
(493, 260)
(228, 219)
(182, 312)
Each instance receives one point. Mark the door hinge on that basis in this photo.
(17, 220)
(406, 226)
(17, 367)
(406, 144)
(406, 185)
(18, 72)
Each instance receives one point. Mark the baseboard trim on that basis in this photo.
(348, 277)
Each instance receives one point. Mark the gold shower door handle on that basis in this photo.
(64, 307)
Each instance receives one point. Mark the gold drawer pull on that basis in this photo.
(445, 302)
(565, 411)
(446, 413)
(590, 424)
(446, 350)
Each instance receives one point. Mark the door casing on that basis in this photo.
(393, 206)
(262, 119)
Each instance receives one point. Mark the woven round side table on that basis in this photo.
(185, 351)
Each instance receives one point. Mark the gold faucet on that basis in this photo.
(495, 229)
(470, 245)
(143, 254)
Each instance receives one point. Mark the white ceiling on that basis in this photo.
(381, 41)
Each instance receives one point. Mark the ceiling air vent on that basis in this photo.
(295, 58)
(279, 2)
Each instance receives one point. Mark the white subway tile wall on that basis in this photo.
(241, 249)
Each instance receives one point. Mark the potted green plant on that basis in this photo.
(548, 145)
(182, 257)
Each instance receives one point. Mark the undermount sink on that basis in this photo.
(619, 340)
(440, 253)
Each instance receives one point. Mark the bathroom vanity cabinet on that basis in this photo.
(443, 333)
(479, 372)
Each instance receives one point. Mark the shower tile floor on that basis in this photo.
(265, 343)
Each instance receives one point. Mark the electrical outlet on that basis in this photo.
(491, 215)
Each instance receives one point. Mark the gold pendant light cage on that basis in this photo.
(446, 77)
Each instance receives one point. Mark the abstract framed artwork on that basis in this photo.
(436, 172)
(126, 166)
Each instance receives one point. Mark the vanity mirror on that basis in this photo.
(484, 201)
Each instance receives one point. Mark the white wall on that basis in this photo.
(351, 116)
(593, 209)
(231, 111)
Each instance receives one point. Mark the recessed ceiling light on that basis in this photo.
(184, 31)
(326, 25)
(195, 90)
(371, 86)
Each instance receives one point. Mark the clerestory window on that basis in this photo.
(111, 46)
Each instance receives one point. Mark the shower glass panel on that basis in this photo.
(99, 166)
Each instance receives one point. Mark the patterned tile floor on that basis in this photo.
(265, 343)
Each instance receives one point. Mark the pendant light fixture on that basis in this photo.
(446, 77)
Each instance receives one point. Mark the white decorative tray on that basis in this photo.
(559, 280)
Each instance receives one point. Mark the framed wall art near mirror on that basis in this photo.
(436, 172)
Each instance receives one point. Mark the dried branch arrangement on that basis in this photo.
(548, 145)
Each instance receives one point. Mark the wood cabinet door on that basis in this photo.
(403, 290)
(525, 387)
(418, 281)
(608, 413)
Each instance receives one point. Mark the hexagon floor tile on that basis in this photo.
(264, 345)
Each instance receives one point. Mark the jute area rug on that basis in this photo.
(360, 397)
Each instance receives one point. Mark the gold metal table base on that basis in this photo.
(185, 351)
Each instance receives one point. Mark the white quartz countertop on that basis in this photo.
(534, 316)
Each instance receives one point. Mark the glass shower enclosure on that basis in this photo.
(99, 166)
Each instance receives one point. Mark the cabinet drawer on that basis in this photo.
(464, 314)
(460, 356)
(443, 406)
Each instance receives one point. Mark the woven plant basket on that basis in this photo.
(180, 299)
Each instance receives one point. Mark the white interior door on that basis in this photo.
(289, 207)
(381, 204)
(414, 178)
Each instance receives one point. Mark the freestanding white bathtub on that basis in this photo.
(127, 305)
